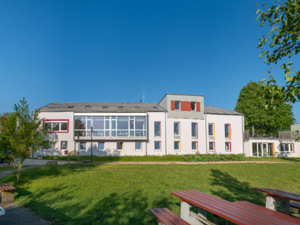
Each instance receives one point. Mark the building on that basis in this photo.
(178, 124)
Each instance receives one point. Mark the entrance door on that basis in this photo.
(262, 149)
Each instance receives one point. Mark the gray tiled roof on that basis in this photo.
(97, 107)
(218, 110)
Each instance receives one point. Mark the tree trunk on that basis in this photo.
(19, 173)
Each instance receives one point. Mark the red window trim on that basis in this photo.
(66, 120)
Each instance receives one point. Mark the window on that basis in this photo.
(193, 106)
(63, 145)
(101, 146)
(120, 145)
(227, 131)
(155, 107)
(111, 126)
(228, 146)
(211, 130)
(137, 107)
(286, 147)
(194, 130)
(121, 107)
(157, 129)
(177, 145)
(177, 105)
(195, 145)
(211, 146)
(176, 129)
(56, 126)
(157, 146)
(87, 107)
(104, 107)
(138, 146)
(82, 145)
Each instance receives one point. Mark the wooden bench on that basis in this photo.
(167, 217)
(295, 205)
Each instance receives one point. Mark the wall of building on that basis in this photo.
(277, 144)
(237, 128)
(154, 117)
(166, 103)
(185, 138)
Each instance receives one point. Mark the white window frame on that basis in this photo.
(103, 146)
(120, 150)
(59, 126)
(196, 145)
(176, 136)
(213, 146)
(179, 146)
(138, 150)
(179, 104)
(159, 146)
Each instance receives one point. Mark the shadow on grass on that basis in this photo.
(234, 190)
(290, 159)
(126, 208)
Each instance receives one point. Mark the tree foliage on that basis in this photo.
(24, 133)
(265, 119)
(283, 41)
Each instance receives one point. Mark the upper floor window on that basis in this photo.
(194, 130)
(227, 131)
(157, 129)
(56, 126)
(211, 130)
(193, 106)
(177, 105)
(176, 129)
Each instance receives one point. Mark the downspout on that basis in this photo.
(147, 133)
(205, 133)
(166, 133)
(243, 134)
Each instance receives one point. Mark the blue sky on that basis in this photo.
(102, 51)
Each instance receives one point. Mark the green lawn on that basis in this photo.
(165, 158)
(123, 194)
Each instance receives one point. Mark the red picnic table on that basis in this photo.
(283, 197)
(223, 211)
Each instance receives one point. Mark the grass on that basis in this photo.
(123, 194)
(8, 168)
(165, 158)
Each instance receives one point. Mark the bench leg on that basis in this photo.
(285, 204)
(271, 201)
(185, 211)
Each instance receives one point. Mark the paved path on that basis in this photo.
(17, 215)
(187, 163)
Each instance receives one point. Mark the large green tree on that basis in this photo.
(265, 120)
(281, 43)
(24, 133)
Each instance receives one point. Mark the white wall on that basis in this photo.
(237, 126)
(185, 136)
(155, 117)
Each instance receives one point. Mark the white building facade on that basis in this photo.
(178, 124)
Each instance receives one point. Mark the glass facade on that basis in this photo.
(111, 126)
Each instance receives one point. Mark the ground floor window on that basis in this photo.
(82, 145)
(195, 145)
(138, 146)
(286, 147)
(262, 149)
(120, 145)
(211, 146)
(101, 146)
(177, 145)
(157, 146)
(63, 145)
(228, 146)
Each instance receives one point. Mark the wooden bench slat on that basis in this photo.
(279, 193)
(264, 211)
(295, 205)
(226, 209)
(167, 217)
